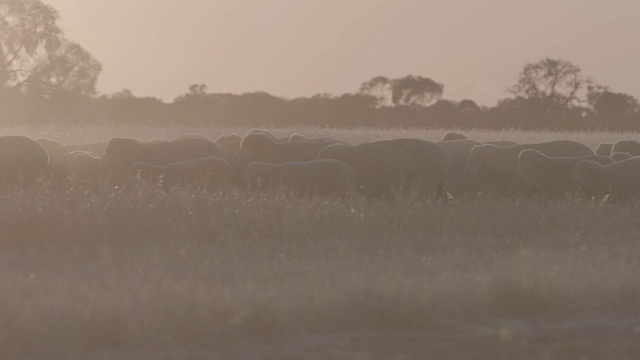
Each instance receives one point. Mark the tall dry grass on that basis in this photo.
(101, 273)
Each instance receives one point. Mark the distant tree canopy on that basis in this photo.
(35, 56)
(411, 90)
(45, 77)
(614, 109)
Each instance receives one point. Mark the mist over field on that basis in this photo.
(247, 218)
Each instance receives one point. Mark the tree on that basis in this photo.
(196, 92)
(613, 108)
(378, 87)
(555, 83)
(468, 106)
(122, 95)
(411, 90)
(415, 91)
(36, 57)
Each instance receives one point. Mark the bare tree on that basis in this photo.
(556, 82)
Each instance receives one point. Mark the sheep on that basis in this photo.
(618, 156)
(457, 182)
(60, 165)
(267, 133)
(552, 174)
(121, 153)
(381, 167)
(297, 138)
(495, 168)
(604, 149)
(97, 148)
(54, 147)
(260, 147)
(230, 143)
(502, 144)
(627, 146)
(85, 166)
(619, 179)
(452, 136)
(325, 141)
(211, 172)
(51, 146)
(323, 177)
(22, 160)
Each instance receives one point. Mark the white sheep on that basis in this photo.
(97, 148)
(496, 168)
(326, 177)
(452, 136)
(229, 143)
(627, 146)
(51, 146)
(121, 153)
(604, 149)
(267, 133)
(382, 167)
(85, 166)
(552, 174)
(260, 147)
(211, 172)
(457, 182)
(22, 161)
(619, 179)
(297, 138)
(618, 156)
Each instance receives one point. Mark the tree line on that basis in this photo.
(46, 78)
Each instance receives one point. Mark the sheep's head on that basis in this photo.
(263, 132)
(85, 165)
(251, 146)
(451, 136)
(619, 156)
(604, 149)
(585, 175)
(479, 165)
(120, 153)
(230, 143)
(51, 146)
(628, 146)
(297, 138)
(530, 162)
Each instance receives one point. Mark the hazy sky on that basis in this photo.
(302, 47)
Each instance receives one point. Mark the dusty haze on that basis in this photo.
(299, 48)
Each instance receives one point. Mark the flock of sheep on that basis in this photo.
(455, 166)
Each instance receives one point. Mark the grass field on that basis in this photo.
(186, 274)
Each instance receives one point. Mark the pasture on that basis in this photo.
(189, 273)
